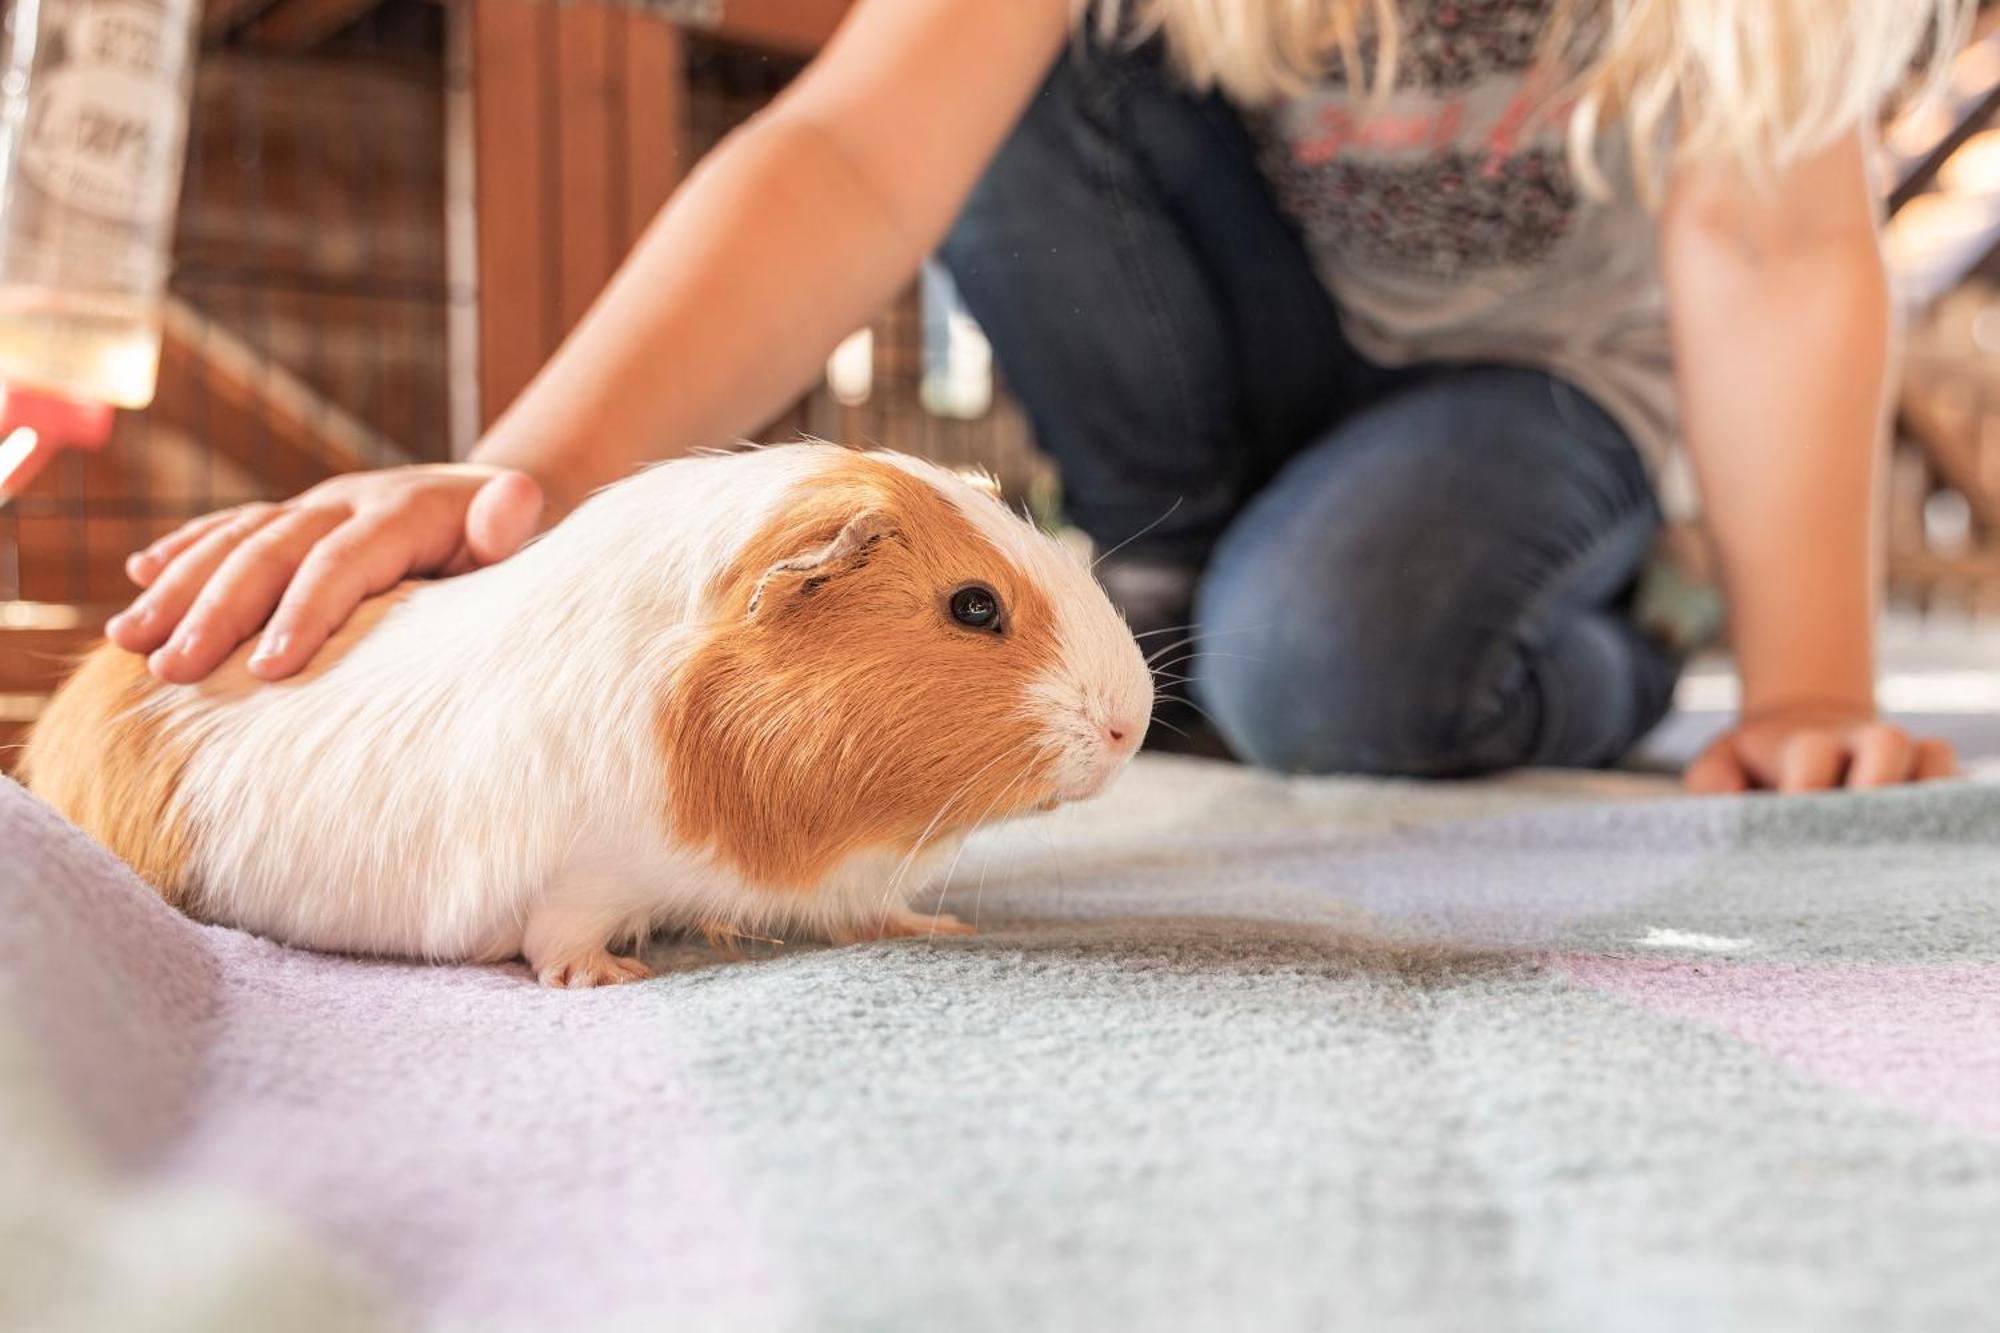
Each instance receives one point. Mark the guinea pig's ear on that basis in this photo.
(801, 575)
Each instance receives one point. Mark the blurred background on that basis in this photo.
(393, 210)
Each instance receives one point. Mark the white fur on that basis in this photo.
(480, 771)
(1100, 677)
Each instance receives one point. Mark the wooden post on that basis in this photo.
(511, 185)
(655, 111)
(578, 135)
(301, 25)
(589, 153)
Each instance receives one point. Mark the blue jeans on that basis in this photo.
(1425, 571)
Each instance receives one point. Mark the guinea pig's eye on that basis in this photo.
(976, 606)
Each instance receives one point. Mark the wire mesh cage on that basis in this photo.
(392, 212)
(307, 304)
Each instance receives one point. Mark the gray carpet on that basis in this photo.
(1229, 1052)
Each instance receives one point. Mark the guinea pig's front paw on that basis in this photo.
(901, 925)
(595, 967)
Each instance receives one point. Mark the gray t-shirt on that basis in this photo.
(1449, 226)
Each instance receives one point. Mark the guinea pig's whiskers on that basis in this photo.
(979, 894)
(1159, 721)
(1188, 642)
(944, 880)
(1190, 703)
(1200, 636)
(1194, 634)
(1183, 661)
(1106, 555)
(910, 858)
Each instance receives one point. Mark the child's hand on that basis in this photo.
(1809, 748)
(213, 582)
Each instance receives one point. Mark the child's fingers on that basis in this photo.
(1935, 759)
(360, 558)
(156, 614)
(1717, 771)
(502, 516)
(1883, 757)
(1812, 761)
(241, 593)
(142, 567)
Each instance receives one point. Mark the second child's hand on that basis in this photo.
(1808, 747)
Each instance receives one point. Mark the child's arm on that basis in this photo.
(1780, 319)
(781, 243)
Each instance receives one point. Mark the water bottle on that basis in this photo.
(93, 128)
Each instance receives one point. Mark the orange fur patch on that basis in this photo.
(113, 769)
(839, 707)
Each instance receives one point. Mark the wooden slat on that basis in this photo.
(590, 183)
(253, 412)
(579, 135)
(17, 711)
(310, 226)
(220, 17)
(1976, 566)
(14, 729)
(1967, 584)
(78, 521)
(1951, 447)
(71, 557)
(283, 155)
(381, 359)
(34, 661)
(300, 25)
(38, 647)
(655, 117)
(511, 186)
(461, 239)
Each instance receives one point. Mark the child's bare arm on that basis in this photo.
(1780, 318)
(781, 243)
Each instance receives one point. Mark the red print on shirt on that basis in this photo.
(1336, 128)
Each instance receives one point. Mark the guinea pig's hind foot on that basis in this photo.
(900, 924)
(591, 967)
(570, 949)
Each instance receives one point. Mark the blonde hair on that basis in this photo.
(1764, 82)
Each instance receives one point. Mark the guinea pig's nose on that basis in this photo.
(1121, 733)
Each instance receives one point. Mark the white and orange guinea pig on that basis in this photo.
(754, 694)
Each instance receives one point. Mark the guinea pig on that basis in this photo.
(750, 694)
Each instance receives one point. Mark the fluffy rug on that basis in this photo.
(1229, 1051)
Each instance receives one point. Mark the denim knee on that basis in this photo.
(1056, 131)
(1305, 675)
(1433, 591)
